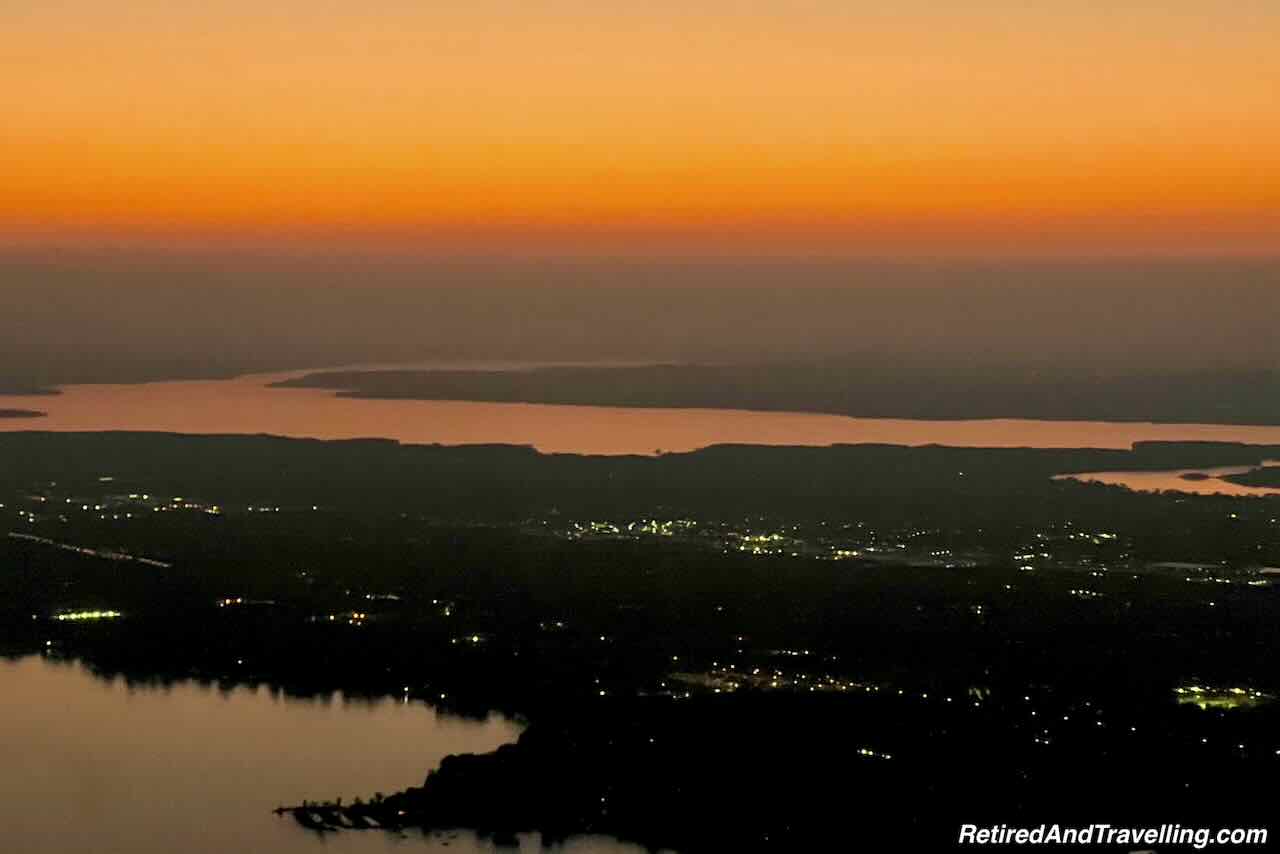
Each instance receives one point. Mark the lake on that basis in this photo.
(92, 764)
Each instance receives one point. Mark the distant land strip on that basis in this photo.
(11, 390)
(876, 390)
(21, 413)
(1266, 476)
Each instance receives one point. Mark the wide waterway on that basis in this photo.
(247, 405)
(92, 764)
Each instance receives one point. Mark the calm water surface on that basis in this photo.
(95, 765)
(1175, 481)
(246, 405)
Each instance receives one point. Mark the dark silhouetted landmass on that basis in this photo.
(750, 772)
(501, 481)
(739, 648)
(17, 389)
(21, 413)
(1264, 476)
(856, 387)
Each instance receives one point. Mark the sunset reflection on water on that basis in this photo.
(246, 405)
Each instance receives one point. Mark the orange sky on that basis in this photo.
(807, 126)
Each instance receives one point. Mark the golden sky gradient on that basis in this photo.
(991, 127)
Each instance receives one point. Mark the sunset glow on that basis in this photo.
(988, 128)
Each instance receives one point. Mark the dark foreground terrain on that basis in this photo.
(726, 650)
